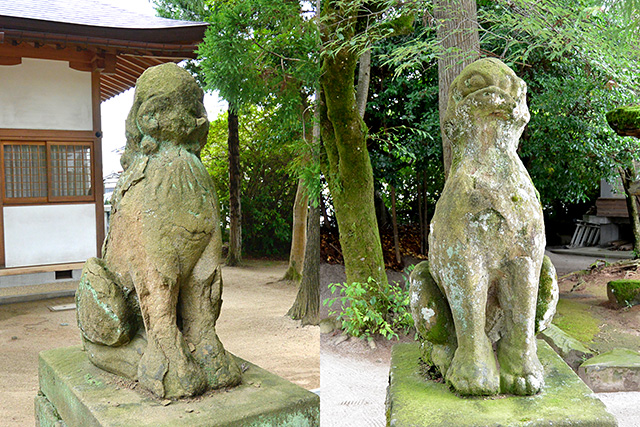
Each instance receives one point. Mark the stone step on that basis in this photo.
(615, 370)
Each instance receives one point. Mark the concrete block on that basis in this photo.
(615, 370)
(415, 401)
(84, 395)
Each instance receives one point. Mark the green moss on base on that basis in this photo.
(415, 401)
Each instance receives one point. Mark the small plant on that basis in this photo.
(369, 308)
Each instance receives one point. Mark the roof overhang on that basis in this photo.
(119, 51)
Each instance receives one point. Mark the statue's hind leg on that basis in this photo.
(199, 307)
(432, 318)
(520, 370)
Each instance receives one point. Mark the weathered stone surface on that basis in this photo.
(84, 395)
(413, 401)
(46, 414)
(624, 293)
(548, 295)
(487, 244)
(615, 370)
(160, 263)
(107, 317)
(572, 351)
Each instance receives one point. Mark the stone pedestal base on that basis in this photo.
(73, 392)
(416, 402)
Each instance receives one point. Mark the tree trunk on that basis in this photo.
(307, 304)
(628, 176)
(394, 222)
(235, 213)
(364, 75)
(298, 234)
(306, 307)
(348, 170)
(425, 212)
(458, 37)
(422, 218)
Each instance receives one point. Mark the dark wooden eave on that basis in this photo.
(94, 36)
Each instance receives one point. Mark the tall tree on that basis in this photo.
(306, 307)
(298, 234)
(457, 35)
(235, 211)
(348, 167)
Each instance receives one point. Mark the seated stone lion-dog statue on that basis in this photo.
(147, 310)
(487, 281)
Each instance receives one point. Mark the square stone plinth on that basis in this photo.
(81, 394)
(413, 401)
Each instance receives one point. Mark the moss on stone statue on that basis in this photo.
(625, 120)
(548, 294)
(624, 293)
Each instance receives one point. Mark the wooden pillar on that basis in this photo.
(98, 185)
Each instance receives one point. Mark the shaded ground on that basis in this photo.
(252, 325)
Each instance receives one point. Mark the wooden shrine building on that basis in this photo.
(58, 61)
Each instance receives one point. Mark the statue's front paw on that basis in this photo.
(520, 370)
(473, 376)
(525, 380)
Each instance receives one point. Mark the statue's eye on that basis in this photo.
(473, 83)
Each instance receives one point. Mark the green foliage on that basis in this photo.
(370, 308)
(404, 127)
(260, 52)
(568, 145)
(595, 35)
(268, 189)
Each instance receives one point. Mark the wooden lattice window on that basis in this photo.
(69, 171)
(41, 172)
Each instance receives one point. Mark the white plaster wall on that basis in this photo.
(44, 94)
(49, 234)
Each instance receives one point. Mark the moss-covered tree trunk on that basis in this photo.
(307, 304)
(235, 214)
(457, 34)
(348, 168)
(298, 234)
(628, 175)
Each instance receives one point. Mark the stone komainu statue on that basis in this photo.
(147, 310)
(487, 280)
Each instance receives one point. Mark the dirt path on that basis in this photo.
(252, 325)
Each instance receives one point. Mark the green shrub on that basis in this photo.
(369, 308)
